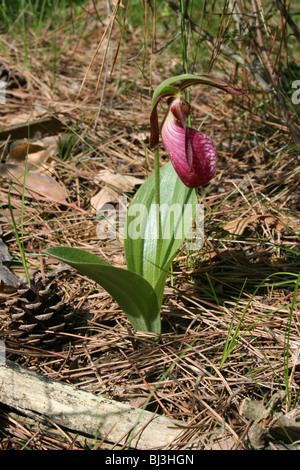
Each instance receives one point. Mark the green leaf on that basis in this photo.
(163, 90)
(132, 292)
(188, 79)
(142, 242)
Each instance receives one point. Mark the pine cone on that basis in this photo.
(36, 308)
(13, 78)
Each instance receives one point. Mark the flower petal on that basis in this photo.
(154, 135)
(204, 155)
(210, 80)
(181, 109)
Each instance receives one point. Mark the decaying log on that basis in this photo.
(40, 397)
(12, 421)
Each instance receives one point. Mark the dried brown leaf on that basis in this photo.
(104, 196)
(238, 226)
(40, 183)
(33, 153)
(117, 181)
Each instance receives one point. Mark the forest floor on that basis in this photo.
(231, 311)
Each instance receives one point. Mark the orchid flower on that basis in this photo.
(192, 154)
(139, 289)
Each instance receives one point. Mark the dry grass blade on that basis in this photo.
(231, 312)
(108, 28)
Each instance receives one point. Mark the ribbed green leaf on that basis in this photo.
(148, 255)
(132, 292)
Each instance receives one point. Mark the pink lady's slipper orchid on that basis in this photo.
(193, 154)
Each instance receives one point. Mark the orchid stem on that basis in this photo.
(184, 47)
(157, 205)
(157, 185)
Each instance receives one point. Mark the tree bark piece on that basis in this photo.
(80, 411)
(48, 125)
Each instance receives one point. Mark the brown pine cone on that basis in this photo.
(36, 313)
